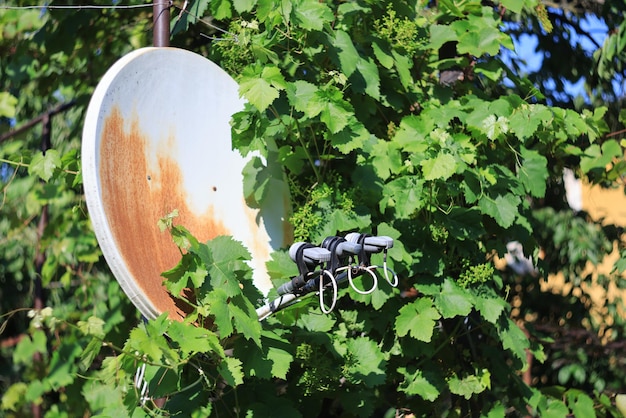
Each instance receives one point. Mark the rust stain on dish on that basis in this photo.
(136, 195)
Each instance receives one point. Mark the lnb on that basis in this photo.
(311, 255)
(371, 244)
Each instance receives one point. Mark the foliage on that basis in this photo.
(580, 56)
(355, 101)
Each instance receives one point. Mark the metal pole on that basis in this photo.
(161, 23)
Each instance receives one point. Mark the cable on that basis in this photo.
(351, 281)
(386, 268)
(141, 384)
(321, 292)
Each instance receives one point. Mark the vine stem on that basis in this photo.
(21, 164)
(318, 178)
(443, 344)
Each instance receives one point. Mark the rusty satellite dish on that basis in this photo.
(156, 139)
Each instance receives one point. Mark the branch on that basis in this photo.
(576, 27)
(60, 108)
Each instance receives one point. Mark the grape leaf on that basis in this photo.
(416, 382)
(467, 386)
(417, 319)
(217, 300)
(503, 208)
(440, 167)
(404, 194)
(369, 72)
(27, 347)
(243, 5)
(7, 105)
(515, 6)
(300, 93)
(261, 86)
(453, 300)
(231, 370)
(366, 363)
(533, 172)
(580, 403)
(386, 158)
(350, 138)
(312, 15)
(347, 53)
(382, 55)
(440, 34)
(245, 319)
(43, 165)
(513, 338)
(192, 339)
(490, 308)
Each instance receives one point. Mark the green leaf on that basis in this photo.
(479, 35)
(90, 352)
(383, 56)
(243, 5)
(300, 93)
(493, 127)
(7, 105)
(334, 111)
(490, 307)
(28, 346)
(347, 53)
(464, 223)
(440, 34)
(256, 178)
(417, 319)
(554, 409)
(403, 65)
(227, 265)
(261, 86)
(533, 172)
(369, 72)
(61, 369)
(416, 382)
(404, 195)
(221, 9)
(513, 338)
(196, 9)
(526, 119)
(580, 403)
(312, 15)
(515, 6)
(192, 339)
(14, 396)
(386, 158)
(503, 208)
(245, 319)
(317, 323)
(102, 397)
(440, 167)
(279, 356)
(230, 369)
(596, 157)
(93, 326)
(352, 137)
(366, 362)
(453, 300)
(469, 385)
(217, 301)
(44, 165)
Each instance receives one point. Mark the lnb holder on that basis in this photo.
(337, 254)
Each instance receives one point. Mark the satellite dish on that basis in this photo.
(157, 138)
